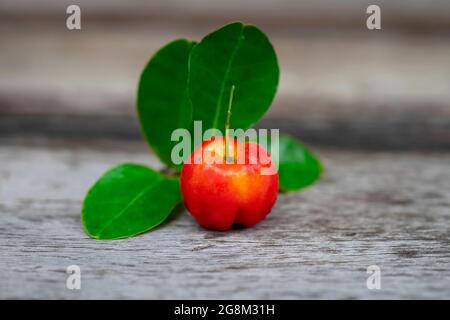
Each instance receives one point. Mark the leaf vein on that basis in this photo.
(227, 71)
(133, 201)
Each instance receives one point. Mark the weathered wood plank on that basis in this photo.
(377, 91)
(412, 16)
(396, 131)
(388, 209)
(97, 70)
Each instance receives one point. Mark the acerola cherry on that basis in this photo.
(240, 191)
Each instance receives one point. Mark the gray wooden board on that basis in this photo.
(411, 16)
(378, 90)
(376, 208)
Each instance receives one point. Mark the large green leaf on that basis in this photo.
(298, 166)
(162, 101)
(237, 55)
(127, 200)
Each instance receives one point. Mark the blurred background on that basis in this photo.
(341, 85)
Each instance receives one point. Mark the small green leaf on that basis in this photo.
(127, 200)
(236, 55)
(298, 166)
(162, 101)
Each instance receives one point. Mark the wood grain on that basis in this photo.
(382, 208)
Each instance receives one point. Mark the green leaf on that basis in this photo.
(298, 166)
(162, 101)
(239, 55)
(127, 200)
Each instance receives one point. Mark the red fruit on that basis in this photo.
(219, 195)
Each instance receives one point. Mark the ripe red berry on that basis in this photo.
(219, 193)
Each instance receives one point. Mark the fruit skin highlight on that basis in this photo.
(219, 195)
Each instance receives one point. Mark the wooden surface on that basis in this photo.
(416, 16)
(374, 104)
(382, 208)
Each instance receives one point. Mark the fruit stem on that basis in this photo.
(230, 103)
(227, 124)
